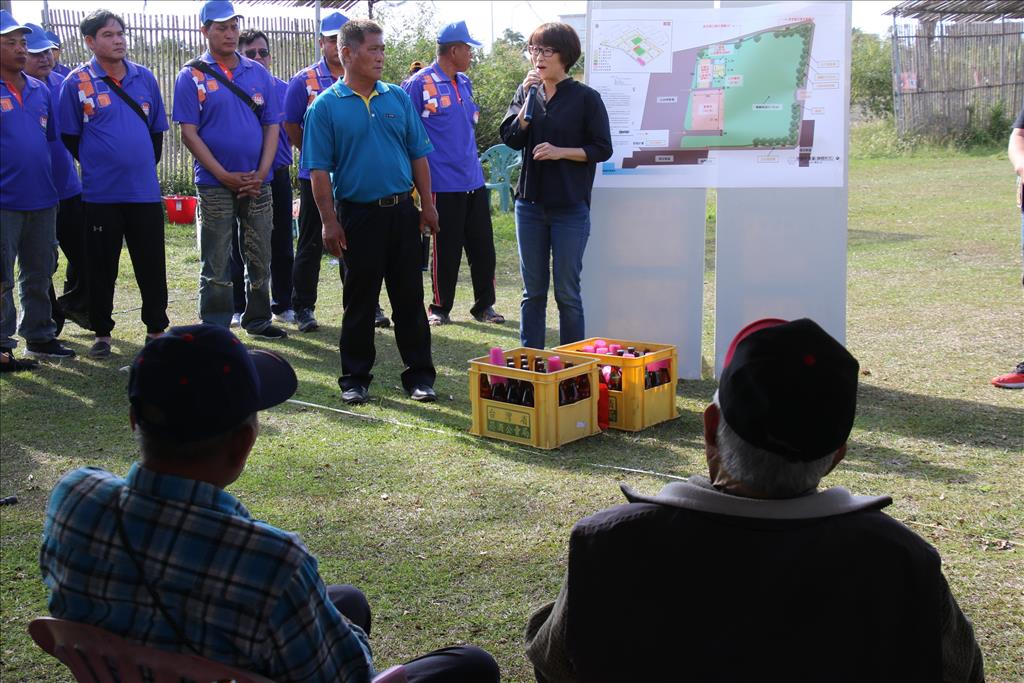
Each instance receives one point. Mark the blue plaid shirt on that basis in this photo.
(242, 591)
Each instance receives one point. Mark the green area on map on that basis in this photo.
(758, 77)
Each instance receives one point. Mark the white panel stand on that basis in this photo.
(781, 253)
(643, 271)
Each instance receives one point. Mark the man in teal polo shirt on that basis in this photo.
(368, 135)
(229, 115)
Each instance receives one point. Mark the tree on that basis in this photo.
(871, 73)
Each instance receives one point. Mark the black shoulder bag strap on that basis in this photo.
(152, 593)
(209, 71)
(127, 99)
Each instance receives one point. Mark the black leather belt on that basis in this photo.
(390, 200)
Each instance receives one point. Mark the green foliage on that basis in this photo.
(410, 39)
(181, 184)
(495, 79)
(871, 74)
(990, 128)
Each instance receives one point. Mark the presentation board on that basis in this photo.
(721, 97)
(781, 221)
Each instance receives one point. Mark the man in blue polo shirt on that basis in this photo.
(28, 202)
(61, 70)
(368, 135)
(253, 44)
(112, 119)
(229, 118)
(443, 96)
(74, 302)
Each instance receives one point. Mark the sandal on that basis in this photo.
(435, 318)
(489, 316)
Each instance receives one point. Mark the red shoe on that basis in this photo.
(1011, 380)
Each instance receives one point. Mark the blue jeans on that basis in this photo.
(31, 237)
(219, 214)
(555, 235)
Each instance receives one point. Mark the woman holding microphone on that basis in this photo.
(561, 126)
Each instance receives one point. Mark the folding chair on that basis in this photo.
(94, 655)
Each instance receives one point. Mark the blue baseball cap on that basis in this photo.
(332, 23)
(8, 24)
(217, 10)
(457, 33)
(198, 381)
(36, 40)
(54, 38)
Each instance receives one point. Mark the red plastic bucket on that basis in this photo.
(181, 209)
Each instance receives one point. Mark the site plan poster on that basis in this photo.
(731, 97)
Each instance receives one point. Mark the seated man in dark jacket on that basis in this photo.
(754, 574)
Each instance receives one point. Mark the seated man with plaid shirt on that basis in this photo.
(167, 558)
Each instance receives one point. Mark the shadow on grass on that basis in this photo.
(856, 238)
(945, 420)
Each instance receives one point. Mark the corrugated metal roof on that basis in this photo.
(963, 11)
(330, 4)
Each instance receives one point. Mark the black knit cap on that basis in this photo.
(198, 381)
(790, 389)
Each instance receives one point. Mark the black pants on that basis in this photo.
(141, 227)
(308, 252)
(383, 244)
(282, 253)
(465, 220)
(462, 664)
(71, 237)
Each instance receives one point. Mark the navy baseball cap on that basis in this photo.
(8, 24)
(457, 32)
(789, 388)
(198, 381)
(332, 23)
(54, 38)
(36, 40)
(217, 10)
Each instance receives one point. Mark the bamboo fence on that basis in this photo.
(950, 76)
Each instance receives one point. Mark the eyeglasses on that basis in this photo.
(262, 52)
(538, 50)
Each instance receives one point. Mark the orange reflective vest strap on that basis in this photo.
(14, 91)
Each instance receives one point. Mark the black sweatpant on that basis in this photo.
(282, 252)
(308, 252)
(465, 220)
(460, 664)
(141, 227)
(384, 244)
(71, 237)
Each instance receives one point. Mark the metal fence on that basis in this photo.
(948, 76)
(163, 44)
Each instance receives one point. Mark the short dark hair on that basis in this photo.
(445, 48)
(93, 22)
(251, 35)
(353, 32)
(559, 37)
(168, 450)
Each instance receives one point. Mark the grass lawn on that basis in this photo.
(458, 539)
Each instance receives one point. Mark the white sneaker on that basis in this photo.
(236, 320)
(284, 317)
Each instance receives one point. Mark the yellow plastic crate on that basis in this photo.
(546, 424)
(636, 407)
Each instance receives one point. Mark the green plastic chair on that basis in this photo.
(499, 161)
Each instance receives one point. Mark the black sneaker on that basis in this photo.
(381, 320)
(305, 321)
(101, 349)
(50, 349)
(8, 363)
(270, 332)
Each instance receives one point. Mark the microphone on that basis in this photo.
(531, 97)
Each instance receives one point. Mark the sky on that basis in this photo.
(521, 15)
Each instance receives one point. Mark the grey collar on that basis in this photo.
(698, 494)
